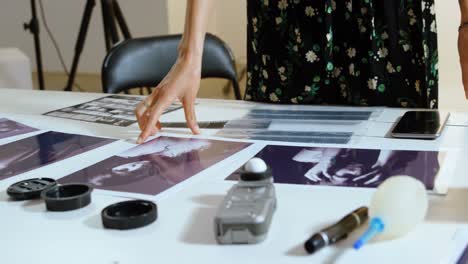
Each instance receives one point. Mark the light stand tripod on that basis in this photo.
(111, 13)
(33, 27)
(111, 16)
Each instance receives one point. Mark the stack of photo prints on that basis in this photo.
(278, 125)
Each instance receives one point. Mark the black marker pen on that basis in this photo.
(338, 231)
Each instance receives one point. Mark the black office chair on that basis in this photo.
(144, 62)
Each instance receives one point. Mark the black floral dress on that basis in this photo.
(347, 52)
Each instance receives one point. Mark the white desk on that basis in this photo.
(184, 231)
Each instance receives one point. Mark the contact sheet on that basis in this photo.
(115, 110)
(283, 124)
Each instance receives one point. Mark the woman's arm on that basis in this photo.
(463, 43)
(183, 80)
(464, 10)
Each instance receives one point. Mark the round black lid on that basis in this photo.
(30, 189)
(67, 197)
(129, 214)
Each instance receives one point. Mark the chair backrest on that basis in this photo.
(144, 62)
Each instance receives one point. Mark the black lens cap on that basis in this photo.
(67, 197)
(129, 214)
(255, 176)
(30, 189)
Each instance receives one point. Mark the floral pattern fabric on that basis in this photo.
(347, 52)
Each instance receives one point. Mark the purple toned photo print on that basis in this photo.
(155, 166)
(464, 257)
(348, 167)
(9, 128)
(43, 149)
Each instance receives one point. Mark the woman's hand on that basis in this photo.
(182, 82)
(463, 51)
(316, 172)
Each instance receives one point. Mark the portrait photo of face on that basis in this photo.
(9, 128)
(348, 167)
(155, 166)
(43, 149)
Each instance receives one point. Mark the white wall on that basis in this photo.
(451, 93)
(448, 20)
(144, 17)
(228, 22)
(176, 16)
(232, 25)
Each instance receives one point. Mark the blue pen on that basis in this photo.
(376, 226)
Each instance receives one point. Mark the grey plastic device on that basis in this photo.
(245, 215)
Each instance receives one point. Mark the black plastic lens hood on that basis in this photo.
(67, 197)
(129, 214)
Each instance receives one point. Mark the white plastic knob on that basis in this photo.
(255, 165)
(401, 203)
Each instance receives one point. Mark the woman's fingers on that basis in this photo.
(158, 128)
(463, 52)
(140, 115)
(151, 126)
(312, 175)
(189, 109)
(143, 108)
(326, 174)
(464, 66)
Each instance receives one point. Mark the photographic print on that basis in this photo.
(115, 110)
(9, 128)
(288, 136)
(155, 166)
(464, 257)
(348, 167)
(43, 149)
(272, 114)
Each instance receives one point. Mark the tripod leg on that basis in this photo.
(80, 42)
(123, 26)
(34, 29)
(110, 28)
(105, 23)
(121, 20)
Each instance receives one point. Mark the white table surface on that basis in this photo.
(184, 231)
